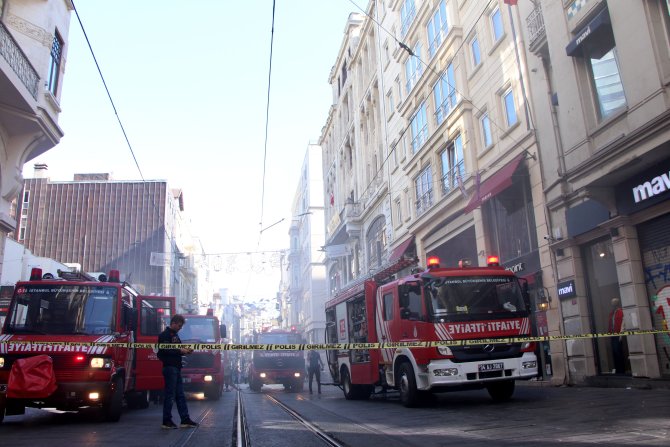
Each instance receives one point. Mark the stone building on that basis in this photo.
(33, 55)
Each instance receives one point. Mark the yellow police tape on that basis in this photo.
(328, 346)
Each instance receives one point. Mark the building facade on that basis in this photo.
(430, 148)
(600, 70)
(33, 54)
(304, 293)
(135, 227)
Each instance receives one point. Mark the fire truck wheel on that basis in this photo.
(409, 395)
(138, 400)
(112, 407)
(501, 391)
(255, 385)
(214, 391)
(2, 413)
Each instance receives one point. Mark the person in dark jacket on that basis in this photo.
(315, 366)
(174, 387)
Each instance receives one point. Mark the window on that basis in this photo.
(407, 14)
(452, 165)
(398, 211)
(424, 190)
(510, 108)
(445, 95)
(413, 68)
(54, 64)
(476, 53)
(438, 28)
(387, 57)
(497, 25)
(419, 128)
(376, 239)
(389, 101)
(607, 84)
(388, 307)
(487, 140)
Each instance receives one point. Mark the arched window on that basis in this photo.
(376, 242)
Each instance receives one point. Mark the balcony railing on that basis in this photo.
(424, 202)
(535, 24)
(16, 59)
(450, 178)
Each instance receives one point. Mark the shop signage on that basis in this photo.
(644, 189)
(516, 268)
(652, 187)
(566, 289)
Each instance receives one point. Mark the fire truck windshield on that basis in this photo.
(277, 338)
(203, 330)
(474, 297)
(62, 309)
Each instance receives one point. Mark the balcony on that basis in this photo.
(536, 32)
(17, 60)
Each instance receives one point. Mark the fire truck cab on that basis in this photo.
(203, 370)
(439, 304)
(280, 366)
(54, 352)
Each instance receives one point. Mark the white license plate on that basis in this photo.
(498, 366)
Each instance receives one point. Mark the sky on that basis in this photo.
(189, 81)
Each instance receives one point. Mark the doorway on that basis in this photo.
(603, 287)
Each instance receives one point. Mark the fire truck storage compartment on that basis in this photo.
(358, 327)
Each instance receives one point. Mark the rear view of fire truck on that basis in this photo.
(202, 371)
(281, 366)
(440, 304)
(53, 351)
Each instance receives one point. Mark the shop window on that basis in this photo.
(510, 220)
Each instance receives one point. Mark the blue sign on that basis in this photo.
(566, 289)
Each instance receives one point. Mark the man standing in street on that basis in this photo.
(314, 368)
(174, 387)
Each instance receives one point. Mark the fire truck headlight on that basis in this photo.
(2, 362)
(444, 350)
(446, 372)
(263, 375)
(296, 375)
(101, 362)
(94, 396)
(529, 365)
(208, 378)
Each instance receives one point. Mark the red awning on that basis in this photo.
(400, 250)
(495, 184)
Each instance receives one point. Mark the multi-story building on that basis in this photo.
(306, 281)
(102, 224)
(599, 72)
(430, 146)
(33, 50)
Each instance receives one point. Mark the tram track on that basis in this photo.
(241, 436)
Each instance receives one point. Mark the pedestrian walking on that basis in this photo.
(314, 369)
(174, 387)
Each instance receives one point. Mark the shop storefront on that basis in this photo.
(646, 198)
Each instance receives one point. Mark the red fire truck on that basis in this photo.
(447, 304)
(48, 352)
(285, 367)
(202, 371)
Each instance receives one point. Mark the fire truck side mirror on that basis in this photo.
(222, 331)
